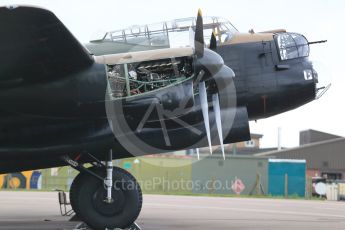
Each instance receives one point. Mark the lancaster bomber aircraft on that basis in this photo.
(141, 90)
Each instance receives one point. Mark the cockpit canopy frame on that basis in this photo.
(163, 33)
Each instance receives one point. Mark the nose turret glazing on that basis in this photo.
(291, 46)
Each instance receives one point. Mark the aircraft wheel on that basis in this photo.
(88, 195)
(74, 191)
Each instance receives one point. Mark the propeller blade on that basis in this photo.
(213, 42)
(199, 43)
(204, 108)
(197, 153)
(216, 107)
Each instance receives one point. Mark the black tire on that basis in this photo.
(87, 199)
(75, 186)
(74, 192)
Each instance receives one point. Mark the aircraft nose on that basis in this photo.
(322, 79)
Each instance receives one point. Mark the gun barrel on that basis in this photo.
(317, 42)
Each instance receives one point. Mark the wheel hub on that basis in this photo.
(108, 208)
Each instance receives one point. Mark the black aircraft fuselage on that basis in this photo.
(265, 84)
(54, 103)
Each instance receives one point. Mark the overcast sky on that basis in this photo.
(316, 19)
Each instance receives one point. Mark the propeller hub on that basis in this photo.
(211, 63)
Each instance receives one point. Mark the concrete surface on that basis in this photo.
(39, 210)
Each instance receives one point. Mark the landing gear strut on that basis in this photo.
(109, 180)
(105, 197)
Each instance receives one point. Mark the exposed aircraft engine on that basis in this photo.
(136, 78)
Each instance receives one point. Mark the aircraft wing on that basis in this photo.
(35, 47)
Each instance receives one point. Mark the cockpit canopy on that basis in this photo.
(292, 45)
(170, 34)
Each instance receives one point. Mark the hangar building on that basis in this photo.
(323, 152)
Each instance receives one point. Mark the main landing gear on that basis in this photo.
(103, 196)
